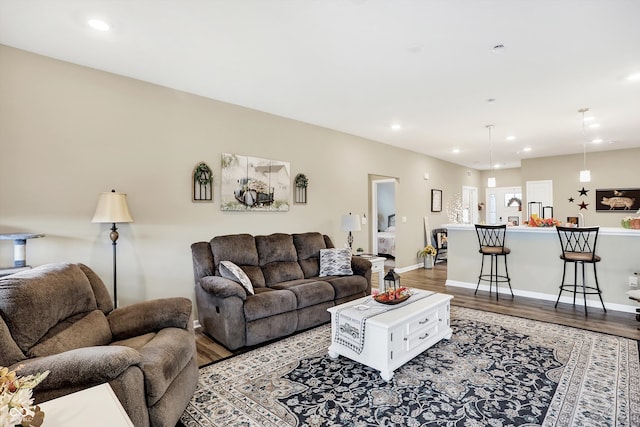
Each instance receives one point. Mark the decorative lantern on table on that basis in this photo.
(391, 281)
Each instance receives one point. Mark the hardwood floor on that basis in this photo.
(612, 322)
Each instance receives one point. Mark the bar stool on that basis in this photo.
(579, 247)
(491, 240)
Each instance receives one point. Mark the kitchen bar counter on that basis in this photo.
(535, 266)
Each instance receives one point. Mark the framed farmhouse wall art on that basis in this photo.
(436, 200)
(623, 199)
(254, 184)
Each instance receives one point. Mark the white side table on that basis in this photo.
(377, 266)
(96, 407)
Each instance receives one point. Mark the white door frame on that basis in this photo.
(374, 211)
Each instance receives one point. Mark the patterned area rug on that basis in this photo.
(496, 370)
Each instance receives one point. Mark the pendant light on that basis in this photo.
(491, 181)
(585, 174)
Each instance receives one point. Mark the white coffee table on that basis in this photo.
(395, 337)
(96, 407)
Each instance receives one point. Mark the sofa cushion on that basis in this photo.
(79, 331)
(64, 287)
(230, 271)
(308, 246)
(335, 262)
(103, 299)
(268, 302)
(348, 285)
(275, 248)
(240, 249)
(277, 272)
(309, 292)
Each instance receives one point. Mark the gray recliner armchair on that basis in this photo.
(59, 317)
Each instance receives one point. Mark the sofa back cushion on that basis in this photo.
(103, 298)
(34, 301)
(83, 330)
(308, 246)
(241, 250)
(10, 353)
(278, 258)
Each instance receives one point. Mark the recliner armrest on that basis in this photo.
(222, 287)
(360, 265)
(80, 367)
(150, 316)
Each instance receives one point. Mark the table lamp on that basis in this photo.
(350, 223)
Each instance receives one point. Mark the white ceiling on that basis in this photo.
(359, 66)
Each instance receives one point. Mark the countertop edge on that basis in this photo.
(604, 231)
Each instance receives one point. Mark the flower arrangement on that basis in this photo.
(426, 251)
(536, 221)
(16, 403)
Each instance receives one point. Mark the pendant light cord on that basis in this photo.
(490, 149)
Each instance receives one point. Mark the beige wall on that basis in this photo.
(68, 133)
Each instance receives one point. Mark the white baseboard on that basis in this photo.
(196, 324)
(546, 297)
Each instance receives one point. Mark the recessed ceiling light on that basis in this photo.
(455, 150)
(594, 125)
(396, 126)
(98, 24)
(526, 149)
(499, 48)
(597, 141)
(634, 77)
(496, 166)
(510, 138)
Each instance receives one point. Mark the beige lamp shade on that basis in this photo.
(350, 222)
(112, 208)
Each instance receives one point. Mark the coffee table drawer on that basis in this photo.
(422, 321)
(422, 337)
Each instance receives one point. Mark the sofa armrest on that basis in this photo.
(81, 367)
(360, 265)
(150, 316)
(222, 288)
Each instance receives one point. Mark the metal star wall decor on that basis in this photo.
(571, 199)
(583, 192)
(583, 205)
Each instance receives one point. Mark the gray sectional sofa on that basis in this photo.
(284, 271)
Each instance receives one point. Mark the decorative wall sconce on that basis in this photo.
(301, 181)
(202, 183)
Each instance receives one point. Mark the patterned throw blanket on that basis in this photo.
(350, 322)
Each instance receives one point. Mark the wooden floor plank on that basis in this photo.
(612, 322)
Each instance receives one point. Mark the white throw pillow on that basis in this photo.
(230, 271)
(335, 262)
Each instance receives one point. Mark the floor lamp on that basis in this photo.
(112, 208)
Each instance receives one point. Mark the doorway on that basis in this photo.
(383, 215)
(504, 205)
